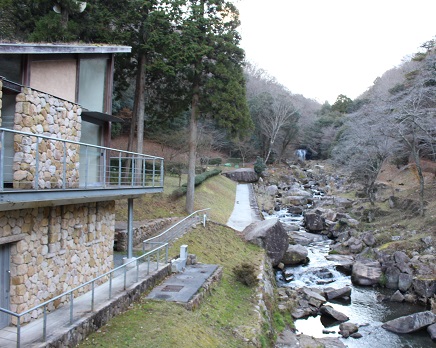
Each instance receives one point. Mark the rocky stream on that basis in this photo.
(341, 288)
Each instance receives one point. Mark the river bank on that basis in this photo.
(379, 261)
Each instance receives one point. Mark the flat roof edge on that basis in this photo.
(35, 48)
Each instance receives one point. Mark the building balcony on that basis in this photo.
(40, 171)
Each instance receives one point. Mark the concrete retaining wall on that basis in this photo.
(93, 321)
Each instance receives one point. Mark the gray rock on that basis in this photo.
(242, 175)
(272, 190)
(295, 200)
(368, 239)
(270, 235)
(366, 273)
(347, 329)
(401, 257)
(313, 298)
(427, 240)
(410, 323)
(424, 287)
(297, 210)
(333, 313)
(356, 335)
(314, 222)
(294, 255)
(397, 296)
(404, 282)
(392, 275)
(331, 293)
(432, 332)
(356, 247)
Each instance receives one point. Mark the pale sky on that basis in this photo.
(323, 48)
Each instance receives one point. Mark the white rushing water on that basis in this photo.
(364, 309)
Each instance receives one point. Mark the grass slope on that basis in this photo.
(217, 193)
(231, 307)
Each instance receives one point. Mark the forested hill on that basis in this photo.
(186, 82)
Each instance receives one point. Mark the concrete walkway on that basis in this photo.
(58, 321)
(181, 287)
(245, 210)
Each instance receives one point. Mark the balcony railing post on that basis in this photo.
(125, 277)
(18, 332)
(110, 285)
(71, 307)
(37, 165)
(104, 168)
(92, 296)
(154, 172)
(133, 172)
(161, 172)
(144, 172)
(87, 166)
(44, 325)
(120, 169)
(64, 170)
(166, 253)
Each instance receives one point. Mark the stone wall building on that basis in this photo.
(59, 179)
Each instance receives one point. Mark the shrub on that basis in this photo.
(259, 166)
(177, 193)
(245, 274)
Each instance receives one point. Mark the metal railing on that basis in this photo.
(150, 257)
(175, 231)
(97, 166)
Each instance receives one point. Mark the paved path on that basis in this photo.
(245, 210)
(181, 287)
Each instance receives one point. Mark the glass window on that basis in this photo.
(10, 67)
(92, 82)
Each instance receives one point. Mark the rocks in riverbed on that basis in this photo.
(333, 313)
(397, 296)
(410, 323)
(270, 235)
(432, 332)
(332, 293)
(314, 222)
(294, 255)
(366, 272)
(348, 329)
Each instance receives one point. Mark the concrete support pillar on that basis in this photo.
(130, 229)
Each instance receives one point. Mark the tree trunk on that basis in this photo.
(140, 108)
(138, 114)
(417, 161)
(192, 153)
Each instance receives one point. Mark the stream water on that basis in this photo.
(364, 309)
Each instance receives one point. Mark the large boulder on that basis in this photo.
(332, 293)
(295, 200)
(366, 273)
(244, 175)
(410, 323)
(329, 311)
(270, 235)
(432, 332)
(314, 222)
(295, 254)
(424, 287)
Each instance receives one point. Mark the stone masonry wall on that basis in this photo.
(141, 231)
(40, 113)
(60, 248)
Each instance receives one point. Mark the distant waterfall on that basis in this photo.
(301, 154)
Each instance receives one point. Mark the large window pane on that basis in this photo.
(10, 67)
(92, 82)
